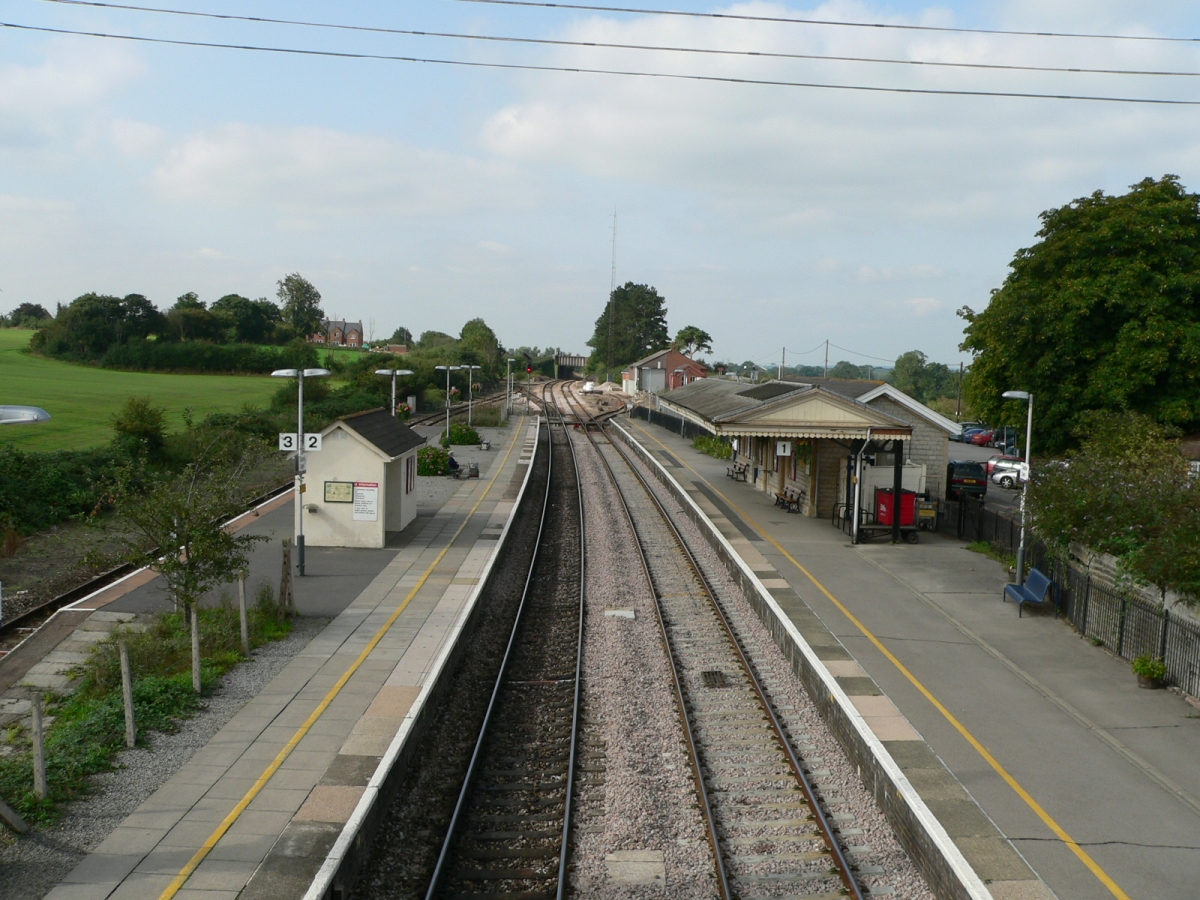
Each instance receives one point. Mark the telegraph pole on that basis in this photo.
(825, 371)
(612, 306)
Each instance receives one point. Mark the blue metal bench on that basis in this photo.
(1037, 589)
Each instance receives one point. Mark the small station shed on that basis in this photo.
(662, 371)
(360, 487)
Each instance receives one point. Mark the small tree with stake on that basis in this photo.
(182, 516)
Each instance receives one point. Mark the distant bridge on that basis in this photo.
(569, 366)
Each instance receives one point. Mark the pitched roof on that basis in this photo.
(653, 356)
(383, 431)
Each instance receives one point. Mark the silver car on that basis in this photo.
(1007, 472)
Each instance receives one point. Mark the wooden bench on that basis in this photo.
(790, 499)
(738, 471)
(1038, 589)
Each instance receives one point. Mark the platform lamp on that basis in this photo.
(393, 373)
(508, 388)
(470, 380)
(1027, 396)
(20, 415)
(300, 375)
(448, 369)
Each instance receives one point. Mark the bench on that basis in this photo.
(790, 499)
(1037, 589)
(738, 471)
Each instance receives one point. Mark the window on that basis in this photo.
(410, 474)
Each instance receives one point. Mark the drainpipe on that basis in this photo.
(858, 484)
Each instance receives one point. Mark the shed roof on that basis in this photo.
(383, 431)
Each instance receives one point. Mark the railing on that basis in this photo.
(682, 427)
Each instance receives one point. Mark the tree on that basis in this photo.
(140, 427)
(190, 320)
(1125, 492)
(28, 315)
(435, 340)
(636, 318)
(182, 515)
(401, 336)
(301, 304)
(248, 321)
(94, 322)
(1103, 313)
(691, 340)
(847, 369)
(922, 380)
(480, 341)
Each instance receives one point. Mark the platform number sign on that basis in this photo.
(289, 440)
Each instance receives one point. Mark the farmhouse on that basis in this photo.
(338, 333)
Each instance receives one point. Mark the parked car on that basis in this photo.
(962, 434)
(983, 437)
(965, 478)
(1004, 457)
(1006, 472)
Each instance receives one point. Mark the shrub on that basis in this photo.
(1150, 667)
(460, 434)
(140, 427)
(433, 461)
(713, 446)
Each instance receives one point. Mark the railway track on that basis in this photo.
(439, 417)
(508, 834)
(769, 834)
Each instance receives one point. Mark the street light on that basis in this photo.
(448, 369)
(393, 373)
(470, 380)
(300, 375)
(1023, 395)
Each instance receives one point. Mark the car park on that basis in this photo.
(1003, 458)
(965, 427)
(983, 437)
(1006, 472)
(965, 478)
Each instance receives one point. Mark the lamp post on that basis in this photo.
(470, 385)
(300, 375)
(1023, 395)
(508, 388)
(448, 369)
(393, 373)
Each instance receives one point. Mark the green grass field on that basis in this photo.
(82, 399)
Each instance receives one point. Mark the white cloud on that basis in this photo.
(302, 172)
(922, 306)
(136, 139)
(906, 273)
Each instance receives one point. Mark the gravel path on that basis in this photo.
(882, 864)
(649, 799)
(31, 866)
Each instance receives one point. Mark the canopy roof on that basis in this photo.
(779, 409)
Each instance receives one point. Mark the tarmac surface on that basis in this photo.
(1093, 782)
(254, 813)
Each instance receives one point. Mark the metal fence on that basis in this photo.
(681, 427)
(1127, 625)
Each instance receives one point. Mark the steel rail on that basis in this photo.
(841, 863)
(723, 886)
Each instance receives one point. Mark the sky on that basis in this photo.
(423, 195)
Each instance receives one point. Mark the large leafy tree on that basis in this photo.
(921, 379)
(94, 322)
(691, 340)
(636, 319)
(1103, 313)
(301, 303)
(481, 344)
(248, 321)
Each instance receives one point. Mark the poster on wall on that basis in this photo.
(366, 501)
(339, 492)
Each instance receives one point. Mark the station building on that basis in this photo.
(809, 435)
(662, 371)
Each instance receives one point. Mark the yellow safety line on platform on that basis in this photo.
(1083, 855)
(179, 880)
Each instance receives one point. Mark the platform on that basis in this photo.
(1048, 767)
(255, 812)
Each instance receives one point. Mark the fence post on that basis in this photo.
(245, 626)
(1121, 630)
(127, 695)
(1087, 599)
(39, 749)
(1162, 638)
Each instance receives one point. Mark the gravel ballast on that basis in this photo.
(32, 865)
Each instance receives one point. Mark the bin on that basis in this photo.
(884, 507)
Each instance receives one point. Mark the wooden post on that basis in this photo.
(39, 749)
(242, 614)
(285, 580)
(195, 646)
(11, 819)
(127, 695)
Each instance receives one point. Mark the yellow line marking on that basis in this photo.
(1103, 877)
(185, 873)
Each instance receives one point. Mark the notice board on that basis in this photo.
(366, 501)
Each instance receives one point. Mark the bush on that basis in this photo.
(713, 446)
(1149, 667)
(200, 356)
(460, 434)
(140, 427)
(39, 490)
(433, 461)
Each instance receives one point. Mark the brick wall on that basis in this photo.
(929, 444)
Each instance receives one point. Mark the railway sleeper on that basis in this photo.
(514, 835)
(514, 853)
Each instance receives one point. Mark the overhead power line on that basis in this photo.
(794, 20)
(604, 45)
(528, 67)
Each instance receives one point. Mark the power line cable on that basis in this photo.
(836, 23)
(863, 355)
(604, 45)
(527, 67)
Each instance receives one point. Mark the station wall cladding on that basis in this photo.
(911, 820)
(345, 864)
